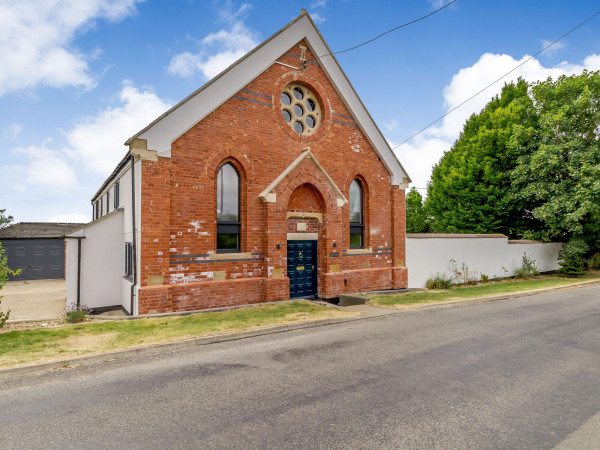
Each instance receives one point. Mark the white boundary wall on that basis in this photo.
(102, 263)
(493, 255)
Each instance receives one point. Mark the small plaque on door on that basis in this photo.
(299, 267)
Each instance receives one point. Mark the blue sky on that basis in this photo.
(78, 77)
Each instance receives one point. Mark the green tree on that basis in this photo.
(416, 216)
(4, 220)
(4, 273)
(558, 168)
(470, 189)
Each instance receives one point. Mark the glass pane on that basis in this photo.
(355, 202)
(356, 240)
(298, 93)
(286, 115)
(298, 110)
(228, 194)
(310, 121)
(228, 241)
(310, 105)
(285, 99)
(298, 128)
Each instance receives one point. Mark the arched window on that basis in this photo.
(228, 209)
(356, 215)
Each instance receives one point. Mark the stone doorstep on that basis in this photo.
(352, 299)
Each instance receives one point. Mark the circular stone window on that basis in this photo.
(300, 109)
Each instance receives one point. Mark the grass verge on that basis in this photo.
(55, 344)
(479, 291)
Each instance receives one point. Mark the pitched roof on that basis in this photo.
(169, 126)
(32, 230)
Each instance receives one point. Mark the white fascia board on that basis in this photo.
(354, 104)
(166, 129)
(216, 92)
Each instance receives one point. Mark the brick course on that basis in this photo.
(179, 202)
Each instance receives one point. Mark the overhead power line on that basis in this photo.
(389, 31)
(495, 81)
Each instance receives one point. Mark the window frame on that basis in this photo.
(128, 261)
(228, 226)
(107, 202)
(116, 196)
(357, 229)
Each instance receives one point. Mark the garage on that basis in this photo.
(36, 248)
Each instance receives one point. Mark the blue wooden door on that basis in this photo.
(302, 268)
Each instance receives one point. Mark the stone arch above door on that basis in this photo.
(305, 169)
(304, 213)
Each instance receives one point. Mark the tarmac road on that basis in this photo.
(521, 373)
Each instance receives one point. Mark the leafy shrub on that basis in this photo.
(3, 316)
(484, 278)
(5, 271)
(439, 281)
(76, 315)
(594, 262)
(528, 268)
(462, 274)
(571, 258)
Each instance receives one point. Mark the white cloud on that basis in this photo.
(15, 129)
(12, 131)
(45, 168)
(36, 39)
(391, 125)
(46, 181)
(419, 154)
(218, 50)
(73, 217)
(553, 49)
(97, 142)
(437, 4)
(229, 15)
(318, 18)
(319, 4)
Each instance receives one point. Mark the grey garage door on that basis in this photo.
(37, 258)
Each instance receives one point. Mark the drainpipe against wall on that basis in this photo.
(134, 255)
(79, 238)
(78, 273)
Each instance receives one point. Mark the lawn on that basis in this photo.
(482, 290)
(55, 344)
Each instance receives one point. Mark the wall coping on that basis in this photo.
(454, 236)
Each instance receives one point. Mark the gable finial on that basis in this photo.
(303, 12)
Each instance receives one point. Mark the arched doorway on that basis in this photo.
(304, 227)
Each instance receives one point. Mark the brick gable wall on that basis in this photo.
(178, 266)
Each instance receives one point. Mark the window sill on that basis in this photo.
(359, 251)
(237, 255)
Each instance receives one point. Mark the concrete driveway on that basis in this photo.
(34, 299)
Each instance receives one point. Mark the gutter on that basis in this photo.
(134, 246)
(111, 177)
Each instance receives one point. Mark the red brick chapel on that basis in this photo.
(270, 182)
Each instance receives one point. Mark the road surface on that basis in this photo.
(521, 373)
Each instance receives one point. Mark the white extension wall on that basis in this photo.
(103, 249)
(102, 262)
(428, 254)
